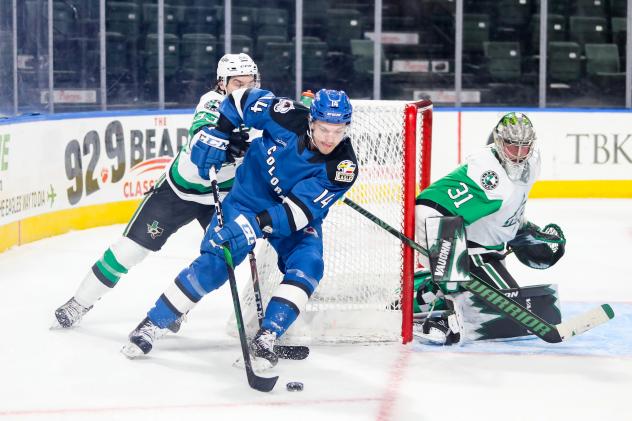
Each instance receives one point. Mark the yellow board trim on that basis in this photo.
(56, 223)
(582, 189)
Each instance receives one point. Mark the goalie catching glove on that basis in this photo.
(538, 248)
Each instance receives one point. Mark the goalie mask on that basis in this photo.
(514, 139)
(231, 65)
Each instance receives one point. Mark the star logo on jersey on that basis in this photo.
(212, 105)
(154, 230)
(489, 180)
(345, 171)
(283, 106)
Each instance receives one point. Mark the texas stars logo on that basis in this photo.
(154, 230)
(489, 180)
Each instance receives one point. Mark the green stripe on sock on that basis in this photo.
(105, 271)
(110, 261)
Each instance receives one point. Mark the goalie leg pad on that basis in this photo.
(447, 251)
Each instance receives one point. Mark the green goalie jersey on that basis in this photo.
(491, 204)
(183, 175)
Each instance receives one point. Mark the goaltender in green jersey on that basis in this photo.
(489, 192)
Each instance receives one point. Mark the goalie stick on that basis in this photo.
(506, 306)
(288, 352)
(263, 384)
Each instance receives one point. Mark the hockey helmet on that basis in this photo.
(331, 106)
(237, 65)
(514, 133)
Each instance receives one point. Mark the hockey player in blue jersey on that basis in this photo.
(290, 177)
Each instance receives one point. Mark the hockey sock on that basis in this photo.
(106, 272)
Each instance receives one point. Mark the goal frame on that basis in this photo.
(411, 114)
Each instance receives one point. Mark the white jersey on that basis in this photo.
(183, 175)
(491, 204)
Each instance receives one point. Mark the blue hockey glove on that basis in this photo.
(239, 234)
(208, 151)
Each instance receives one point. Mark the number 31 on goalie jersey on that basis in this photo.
(458, 193)
(323, 198)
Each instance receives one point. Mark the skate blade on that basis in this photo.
(58, 326)
(258, 364)
(132, 351)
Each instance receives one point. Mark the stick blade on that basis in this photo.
(291, 352)
(262, 384)
(585, 321)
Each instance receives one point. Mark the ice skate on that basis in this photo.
(438, 329)
(69, 314)
(262, 355)
(175, 326)
(141, 340)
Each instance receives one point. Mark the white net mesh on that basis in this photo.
(358, 298)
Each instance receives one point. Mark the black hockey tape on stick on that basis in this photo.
(262, 384)
(508, 307)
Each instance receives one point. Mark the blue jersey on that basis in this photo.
(280, 174)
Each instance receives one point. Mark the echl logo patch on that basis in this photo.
(489, 180)
(283, 106)
(345, 171)
(154, 230)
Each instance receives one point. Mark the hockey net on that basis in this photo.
(366, 291)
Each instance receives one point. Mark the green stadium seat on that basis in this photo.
(199, 20)
(171, 55)
(314, 55)
(239, 44)
(150, 18)
(343, 25)
(604, 68)
(275, 63)
(116, 53)
(564, 64)
(243, 21)
(198, 56)
(476, 31)
(262, 44)
(123, 18)
(272, 22)
(556, 30)
(503, 61)
(512, 13)
(583, 29)
(592, 8)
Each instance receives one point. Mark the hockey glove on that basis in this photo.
(239, 143)
(239, 234)
(538, 248)
(208, 151)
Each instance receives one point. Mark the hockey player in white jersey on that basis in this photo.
(180, 195)
(489, 191)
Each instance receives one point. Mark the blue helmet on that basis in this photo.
(331, 106)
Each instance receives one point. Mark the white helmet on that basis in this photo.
(236, 65)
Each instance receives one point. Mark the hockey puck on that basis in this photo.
(294, 387)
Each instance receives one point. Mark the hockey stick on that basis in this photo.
(288, 352)
(263, 384)
(506, 306)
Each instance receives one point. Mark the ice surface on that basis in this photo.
(79, 374)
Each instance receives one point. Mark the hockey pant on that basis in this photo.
(300, 260)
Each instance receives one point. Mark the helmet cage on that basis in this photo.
(514, 129)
